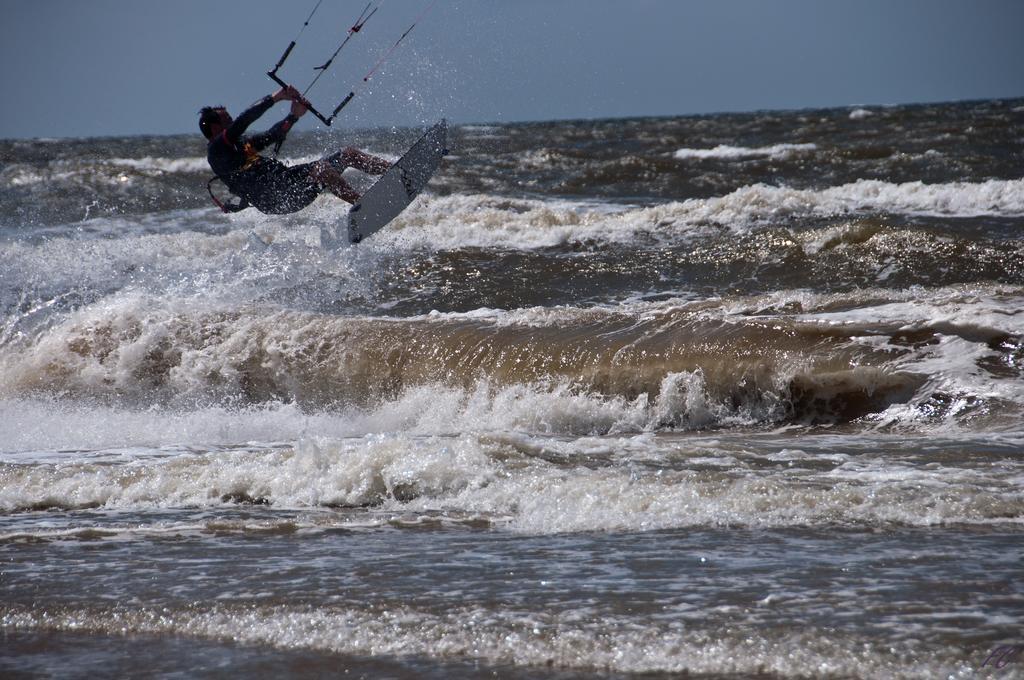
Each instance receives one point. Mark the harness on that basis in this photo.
(226, 207)
(251, 158)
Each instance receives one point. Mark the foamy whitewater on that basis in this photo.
(729, 396)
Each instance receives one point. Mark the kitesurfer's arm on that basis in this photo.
(280, 129)
(249, 116)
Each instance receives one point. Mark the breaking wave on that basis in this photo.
(723, 151)
(638, 367)
(490, 221)
(560, 640)
(528, 484)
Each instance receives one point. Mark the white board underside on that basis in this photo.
(393, 192)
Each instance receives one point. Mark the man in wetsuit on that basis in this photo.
(266, 183)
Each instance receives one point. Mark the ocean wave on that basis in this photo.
(726, 152)
(759, 361)
(536, 485)
(437, 222)
(137, 350)
(497, 222)
(198, 252)
(55, 431)
(573, 640)
(960, 199)
(194, 164)
(486, 129)
(98, 172)
(980, 312)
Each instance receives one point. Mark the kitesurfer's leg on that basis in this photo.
(351, 157)
(326, 176)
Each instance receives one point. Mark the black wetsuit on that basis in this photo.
(267, 184)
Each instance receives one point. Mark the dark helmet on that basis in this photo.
(208, 115)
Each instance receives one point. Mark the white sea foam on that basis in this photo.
(54, 430)
(976, 313)
(537, 485)
(860, 114)
(725, 152)
(109, 171)
(961, 199)
(158, 165)
(480, 128)
(759, 202)
(23, 176)
(575, 640)
(493, 222)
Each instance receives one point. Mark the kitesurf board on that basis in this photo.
(393, 192)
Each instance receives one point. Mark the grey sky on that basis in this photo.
(115, 67)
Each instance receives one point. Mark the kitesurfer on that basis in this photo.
(265, 183)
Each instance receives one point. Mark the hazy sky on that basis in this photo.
(115, 67)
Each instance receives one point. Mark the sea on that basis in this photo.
(715, 396)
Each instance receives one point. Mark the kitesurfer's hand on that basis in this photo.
(282, 94)
(299, 107)
(292, 94)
